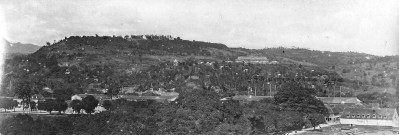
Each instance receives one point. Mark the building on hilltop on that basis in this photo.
(370, 116)
(253, 59)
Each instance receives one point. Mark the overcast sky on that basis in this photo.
(333, 25)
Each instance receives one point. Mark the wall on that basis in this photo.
(367, 122)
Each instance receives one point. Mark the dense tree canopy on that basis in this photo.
(89, 103)
(7, 103)
(295, 97)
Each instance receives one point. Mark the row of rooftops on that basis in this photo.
(368, 113)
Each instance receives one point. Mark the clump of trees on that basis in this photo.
(53, 105)
(292, 108)
(8, 103)
(88, 103)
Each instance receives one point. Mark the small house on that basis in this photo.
(37, 97)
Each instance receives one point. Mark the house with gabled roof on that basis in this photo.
(37, 97)
(370, 116)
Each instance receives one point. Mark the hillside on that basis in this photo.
(94, 64)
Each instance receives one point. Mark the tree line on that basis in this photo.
(197, 111)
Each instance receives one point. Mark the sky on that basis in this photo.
(368, 26)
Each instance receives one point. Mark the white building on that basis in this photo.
(253, 59)
(370, 116)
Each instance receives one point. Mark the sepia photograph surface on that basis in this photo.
(206, 67)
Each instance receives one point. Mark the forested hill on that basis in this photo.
(148, 49)
(323, 58)
(131, 46)
(77, 63)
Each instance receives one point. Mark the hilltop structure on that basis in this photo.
(253, 59)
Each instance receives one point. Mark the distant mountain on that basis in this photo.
(21, 48)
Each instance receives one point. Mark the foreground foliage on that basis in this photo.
(196, 111)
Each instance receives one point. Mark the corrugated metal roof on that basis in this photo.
(340, 100)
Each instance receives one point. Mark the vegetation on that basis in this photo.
(7, 103)
(204, 74)
(53, 105)
(197, 111)
(89, 103)
(77, 105)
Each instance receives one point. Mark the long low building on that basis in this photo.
(156, 98)
(253, 59)
(340, 100)
(370, 116)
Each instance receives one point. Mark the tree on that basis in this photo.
(196, 112)
(295, 97)
(89, 104)
(316, 119)
(77, 105)
(107, 104)
(6, 103)
(47, 105)
(41, 105)
(23, 91)
(114, 85)
(32, 105)
(60, 105)
(63, 94)
(15, 104)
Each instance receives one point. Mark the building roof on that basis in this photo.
(134, 97)
(388, 112)
(250, 98)
(97, 96)
(338, 109)
(330, 109)
(257, 58)
(340, 100)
